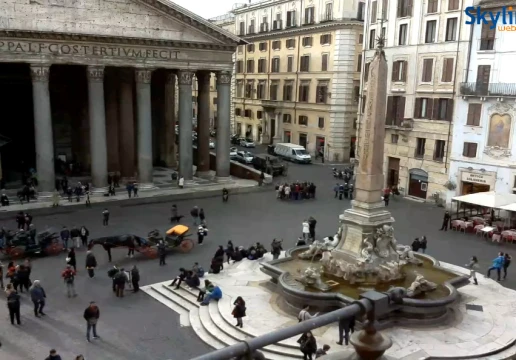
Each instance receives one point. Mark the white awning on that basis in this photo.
(510, 207)
(488, 199)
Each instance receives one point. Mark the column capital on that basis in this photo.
(143, 75)
(170, 78)
(40, 73)
(224, 78)
(185, 77)
(96, 73)
(203, 77)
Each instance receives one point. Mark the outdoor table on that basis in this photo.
(487, 230)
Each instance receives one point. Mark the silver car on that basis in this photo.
(247, 143)
(233, 153)
(244, 157)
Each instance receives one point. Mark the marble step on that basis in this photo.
(186, 296)
(171, 303)
(202, 333)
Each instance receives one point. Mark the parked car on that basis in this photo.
(235, 140)
(293, 152)
(212, 144)
(244, 157)
(247, 143)
(270, 149)
(268, 164)
(233, 153)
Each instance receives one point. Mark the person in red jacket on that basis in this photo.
(68, 276)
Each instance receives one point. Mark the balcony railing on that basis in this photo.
(491, 89)
(405, 124)
(326, 17)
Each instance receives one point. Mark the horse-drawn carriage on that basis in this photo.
(176, 237)
(21, 244)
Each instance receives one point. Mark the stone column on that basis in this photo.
(185, 125)
(203, 123)
(143, 99)
(170, 120)
(43, 128)
(112, 122)
(266, 123)
(97, 112)
(277, 136)
(223, 124)
(126, 112)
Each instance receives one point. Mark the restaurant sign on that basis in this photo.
(477, 178)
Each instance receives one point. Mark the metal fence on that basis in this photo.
(371, 303)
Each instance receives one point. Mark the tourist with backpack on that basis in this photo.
(68, 276)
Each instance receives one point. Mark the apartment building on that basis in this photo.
(298, 78)
(483, 152)
(426, 47)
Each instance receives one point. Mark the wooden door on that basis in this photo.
(418, 188)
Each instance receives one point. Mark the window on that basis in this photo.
(321, 93)
(303, 120)
(356, 93)
(290, 64)
(439, 150)
(238, 112)
(399, 71)
(394, 138)
(469, 150)
(453, 5)
(249, 89)
(276, 45)
(273, 91)
(404, 8)
(241, 28)
(483, 75)
(447, 75)
(240, 66)
(214, 101)
(321, 123)
(240, 88)
(250, 48)
(385, 7)
(291, 18)
(259, 114)
(355, 123)
(395, 110)
(428, 68)
(423, 108)
(248, 113)
(240, 49)
(372, 39)
(487, 37)
(324, 62)
(366, 71)
(303, 140)
(262, 46)
(326, 39)
(251, 29)
(402, 36)
(364, 100)
(474, 114)
(278, 23)
(432, 6)
(260, 90)
(359, 63)
(291, 43)
(420, 147)
(264, 26)
(431, 27)
(374, 9)
(444, 109)
(287, 118)
(309, 15)
(451, 29)
(360, 38)
(305, 63)
(307, 41)
(250, 66)
(328, 12)
(360, 11)
(287, 91)
(275, 65)
(304, 92)
(262, 65)
(383, 33)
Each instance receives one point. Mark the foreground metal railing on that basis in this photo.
(372, 303)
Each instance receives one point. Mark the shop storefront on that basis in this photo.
(418, 183)
(477, 181)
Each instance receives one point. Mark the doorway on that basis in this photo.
(393, 172)
(287, 137)
(303, 140)
(473, 188)
(418, 183)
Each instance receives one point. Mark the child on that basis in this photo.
(201, 233)
(473, 266)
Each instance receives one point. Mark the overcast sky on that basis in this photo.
(208, 8)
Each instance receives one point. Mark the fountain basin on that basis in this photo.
(429, 308)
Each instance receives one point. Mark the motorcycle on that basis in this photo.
(337, 174)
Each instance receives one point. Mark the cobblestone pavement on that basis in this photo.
(138, 327)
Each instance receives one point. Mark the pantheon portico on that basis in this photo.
(105, 78)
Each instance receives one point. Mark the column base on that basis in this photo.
(223, 179)
(266, 139)
(276, 139)
(203, 174)
(99, 191)
(147, 187)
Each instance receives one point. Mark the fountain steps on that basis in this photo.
(211, 324)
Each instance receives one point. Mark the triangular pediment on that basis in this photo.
(145, 19)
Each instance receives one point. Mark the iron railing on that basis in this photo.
(372, 303)
(491, 89)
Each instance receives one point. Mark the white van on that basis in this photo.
(293, 152)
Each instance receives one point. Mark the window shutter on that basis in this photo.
(465, 149)
(471, 114)
(400, 111)
(329, 39)
(473, 150)
(417, 108)
(435, 110)
(395, 71)
(388, 117)
(429, 109)
(449, 110)
(444, 74)
(366, 69)
(404, 72)
(409, 7)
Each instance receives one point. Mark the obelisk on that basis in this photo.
(368, 210)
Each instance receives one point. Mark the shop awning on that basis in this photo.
(510, 207)
(489, 199)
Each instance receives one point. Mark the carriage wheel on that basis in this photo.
(54, 248)
(186, 245)
(17, 252)
(149, 252)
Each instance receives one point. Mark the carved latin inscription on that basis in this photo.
(143, 76)
(39, 73)
(185, 77)
(96, 73)
(224, 78)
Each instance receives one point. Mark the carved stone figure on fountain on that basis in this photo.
(406, 255)
(318, 247)
(367, 250)
(312, 277)
(420, 286)
(385, 242)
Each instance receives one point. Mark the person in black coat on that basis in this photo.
(216, 265)
(307, 345)
(345, 327)
(13, 305)
(311, 226)
(83, 234)
(219, 254)
(71, 260)
(239, 311)
(446, 221)
(423, 243)
(91, 263)
(230, 250)
(23, 277)
(135, 278)
(416, 245)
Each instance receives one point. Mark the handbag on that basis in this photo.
(68, 259)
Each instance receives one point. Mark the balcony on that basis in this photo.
(250, 30)
(491, 89)
(326, 18)
(277, 25)
(264, 27)
(396, 124)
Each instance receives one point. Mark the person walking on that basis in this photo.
(497, 265)
(68, 276)
(423, 243)
(386, 196)
(38, 295)
(91, 264)
(13, 304)
(306, 230)
(473, 267)
(239, 311)
(446, 221)
(135, 278)
(105, 217)
(202, 217)
(91, 315)
(120, 280)
(75, 234)
(162, 252)
(345, 327)
(307, 345)
(506, 263)
(225, 195)
(88, 201)
(276, 249)
(312, 223)
(175, 214)
(202, 232)
(195, 215)
(65, 236)
(305, 315)
(53, 355)
(83, 234)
